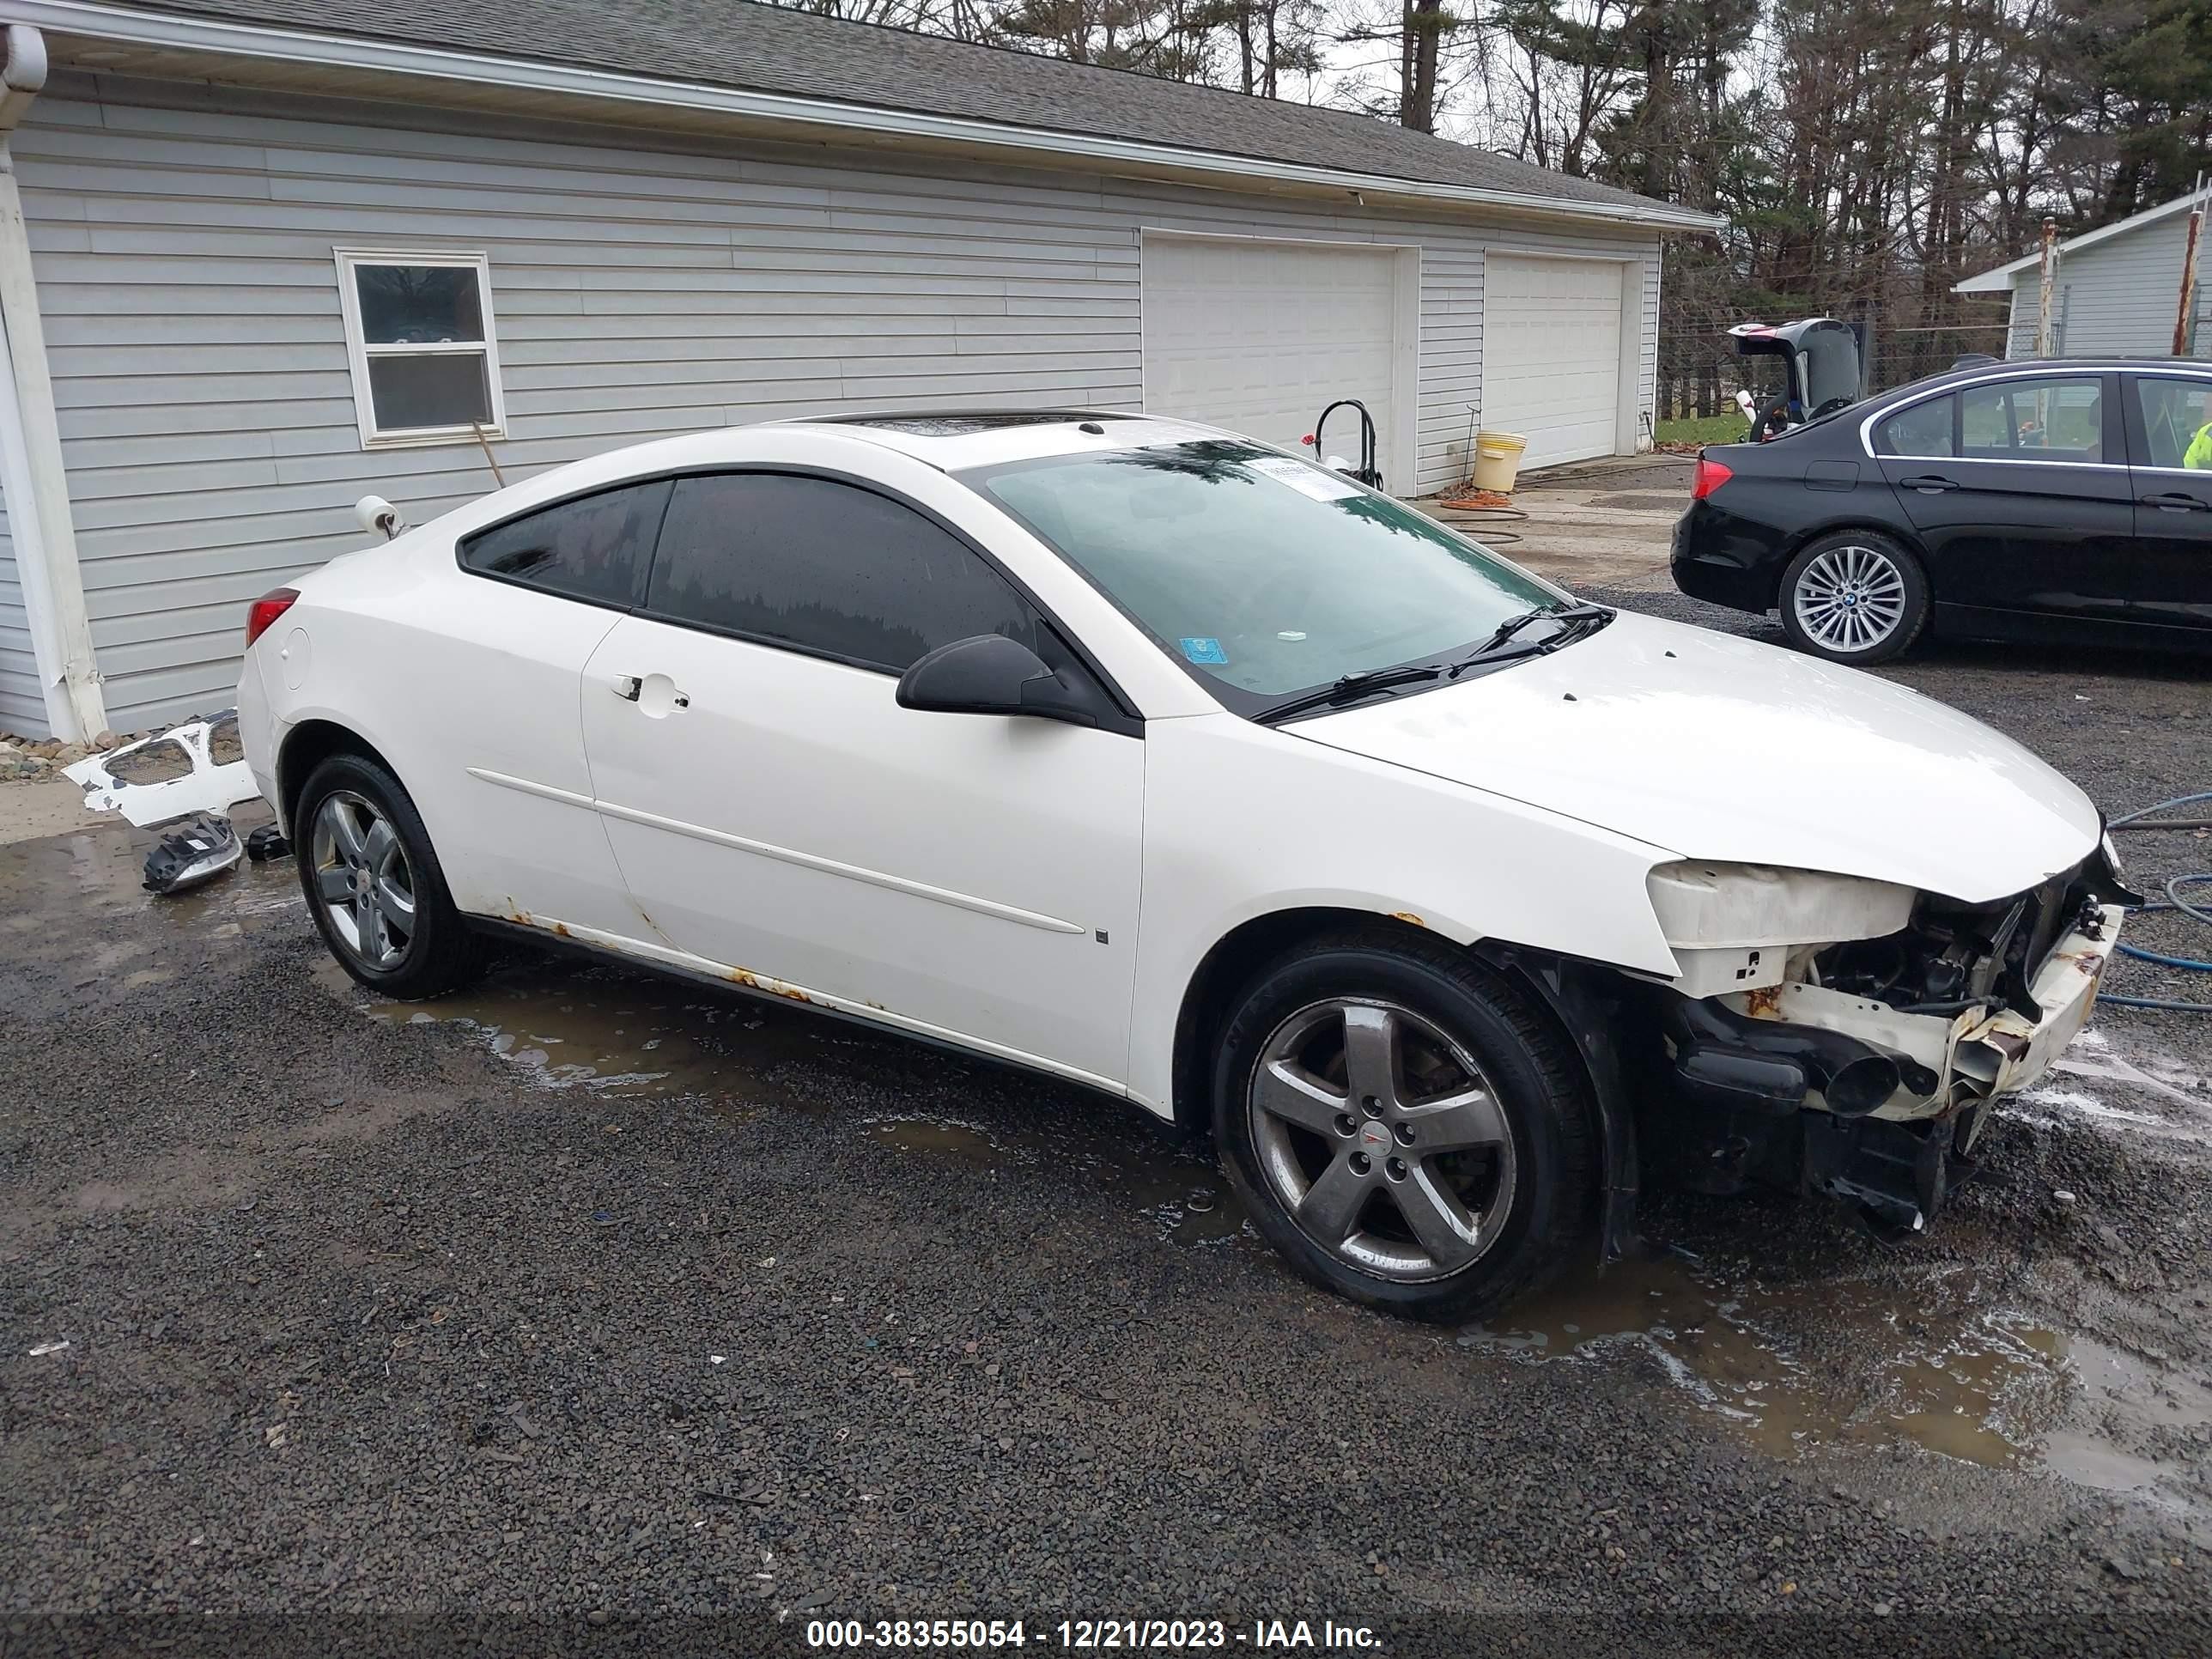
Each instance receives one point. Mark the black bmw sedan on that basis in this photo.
(2028, 500)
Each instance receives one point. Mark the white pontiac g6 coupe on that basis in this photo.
(1160, 760)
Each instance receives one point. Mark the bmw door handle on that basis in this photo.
(626, 686)
(2173, 501)
(1929, 483)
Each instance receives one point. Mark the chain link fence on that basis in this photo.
(1913, 333)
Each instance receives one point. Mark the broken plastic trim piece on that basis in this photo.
(207, 788)
(265, 843)
(191, 854)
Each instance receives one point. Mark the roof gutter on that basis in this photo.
(157, 29)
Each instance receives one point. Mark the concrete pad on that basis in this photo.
(39, 807)
(1607, 523)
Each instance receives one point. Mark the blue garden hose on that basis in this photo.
(2174, 901)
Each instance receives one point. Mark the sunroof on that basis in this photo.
(961, 426)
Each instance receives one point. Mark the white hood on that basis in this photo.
(1720, 748)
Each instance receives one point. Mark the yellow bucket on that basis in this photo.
(1498, 460)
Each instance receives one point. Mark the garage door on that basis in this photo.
(1259, 337)
(1550, 354)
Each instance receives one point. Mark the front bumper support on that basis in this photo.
(1897, 1161)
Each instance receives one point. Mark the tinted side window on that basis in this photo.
(594, 548)
(2176, 421)
(827, 567)
(2054, 420)
(1922, 429)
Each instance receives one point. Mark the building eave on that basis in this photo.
(403, 61)
(2003, 278)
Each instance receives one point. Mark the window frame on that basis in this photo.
(360, 350)
(1118, 713)
(639, 579)
(1882, 423)
(2107, 395)
(2138, 432)
(1906, 398)
(866, 665)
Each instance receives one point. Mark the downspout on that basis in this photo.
(32, 474)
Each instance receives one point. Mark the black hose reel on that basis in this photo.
(1369, 471)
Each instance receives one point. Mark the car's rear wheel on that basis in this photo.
(1854, 596)
(373, 883)
(1404, 1127)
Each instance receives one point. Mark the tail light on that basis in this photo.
(265, 610)
(1711, 475)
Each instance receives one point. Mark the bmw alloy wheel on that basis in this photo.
(362, 880)
(1850, 598)
(1382, 1139)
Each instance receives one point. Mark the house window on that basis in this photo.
(425, 359)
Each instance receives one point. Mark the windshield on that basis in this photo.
(1266, 574)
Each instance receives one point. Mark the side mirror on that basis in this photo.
(991, 674)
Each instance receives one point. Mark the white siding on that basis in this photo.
(22, 709)
(199, 365)
(2117, 297)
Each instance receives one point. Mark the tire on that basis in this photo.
(1855, 597)
(380, 900)
(1461, 1206)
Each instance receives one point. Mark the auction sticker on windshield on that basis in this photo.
(1306, 480)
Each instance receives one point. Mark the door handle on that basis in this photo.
(655, 694)
(2173, 501)
(1929, 483)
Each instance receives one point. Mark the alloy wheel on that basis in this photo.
(1850, 598)
(1382, 1139)
(362, 880)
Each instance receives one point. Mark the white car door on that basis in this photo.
(777, 813)
(487, 691)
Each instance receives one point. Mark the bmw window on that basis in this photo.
(1922, 429)
(2039, 420)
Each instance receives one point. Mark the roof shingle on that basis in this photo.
(762, 48)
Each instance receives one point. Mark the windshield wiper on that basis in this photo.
(1505, 631)
(1350, 686)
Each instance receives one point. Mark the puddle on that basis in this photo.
(1188, 1201)
(957, 1140)
(1925, 1363)
(621, 1034)
(51, 885)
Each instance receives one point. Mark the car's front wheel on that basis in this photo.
(1404, 1127)
(1854, 596)
(374, 884)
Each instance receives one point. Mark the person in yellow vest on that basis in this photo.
(2199, 452)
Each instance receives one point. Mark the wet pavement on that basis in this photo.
(592, 1293)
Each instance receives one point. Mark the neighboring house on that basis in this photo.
(2117, 291)
(277, 254)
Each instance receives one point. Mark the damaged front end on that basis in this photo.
(1864, 1068)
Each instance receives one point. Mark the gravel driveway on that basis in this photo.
(596, 1315)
